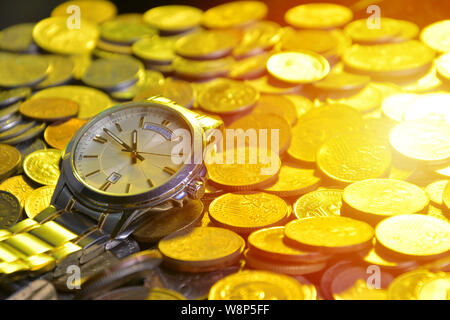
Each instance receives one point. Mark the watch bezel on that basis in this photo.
(154, 196)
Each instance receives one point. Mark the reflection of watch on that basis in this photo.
(117, 169)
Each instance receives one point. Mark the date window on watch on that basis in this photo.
(114, 177)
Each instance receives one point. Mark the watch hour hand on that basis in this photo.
(123, 144)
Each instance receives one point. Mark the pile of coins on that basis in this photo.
(359, 204)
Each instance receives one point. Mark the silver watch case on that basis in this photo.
(172, 191)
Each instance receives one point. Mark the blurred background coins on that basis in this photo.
(318, 16)
(234, 14)
(173, 18)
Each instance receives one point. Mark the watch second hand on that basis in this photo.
(154, 153)
(123, 144)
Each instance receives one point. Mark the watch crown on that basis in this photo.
(195, 189)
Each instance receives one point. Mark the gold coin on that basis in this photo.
(294, 180)
(446, 196)
(155, 49)
(390, 30)
(255, 262)
(201, 69)
(260, 285)
(147, 79)
(365, 100)
(414, 236)
(436, 288)
(318, 16)
(378, 127)
(309, 135)
(258, 37)
(58, 135)
(437, 35)
(38, 200)
(278, 105)
(176, 90)
(228, 96)
(339, 111)
(412, 57)
(302, 104)
(429, 106)
(49, 109)
(423, 140)
(357, 289)
(61, 70)
(52, 34)
(435, 191)
(93, 11)
(10, 160)
(375, 199)
(164, 294)
(90, 100)
(430, 81)
(206, 44)
(111, 50)
(201, 248)
(250, 67)
(330, 234)
(42, 166)
(125, 32)
(403, 286)
(22, 70)
(386, 263)
(81, 64)
(298, 66)
(256, 168)
(247, 212)
(17, 38)
(443, 66)
(437, 213)
(341, 81)
(19, 187)
(275, 129)
(234, 14)
(173, 18)
(325, 202)
(270, 85)
(329, 43)
(395, 106)
(352, 157)
(268, 243)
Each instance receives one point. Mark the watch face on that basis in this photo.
(129, 151)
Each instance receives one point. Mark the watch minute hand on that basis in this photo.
(117, 139)
(122, 143)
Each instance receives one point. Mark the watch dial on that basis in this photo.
(129, 151)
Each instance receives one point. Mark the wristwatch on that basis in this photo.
(129, 161)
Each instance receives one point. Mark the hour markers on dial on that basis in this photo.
(100, 139)
(128, 189)
(165, 123)
(169, 170)
(150, 183)
(90, 156)
(105, 186)
(92, 173)
(141, 122)
(119, 128)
